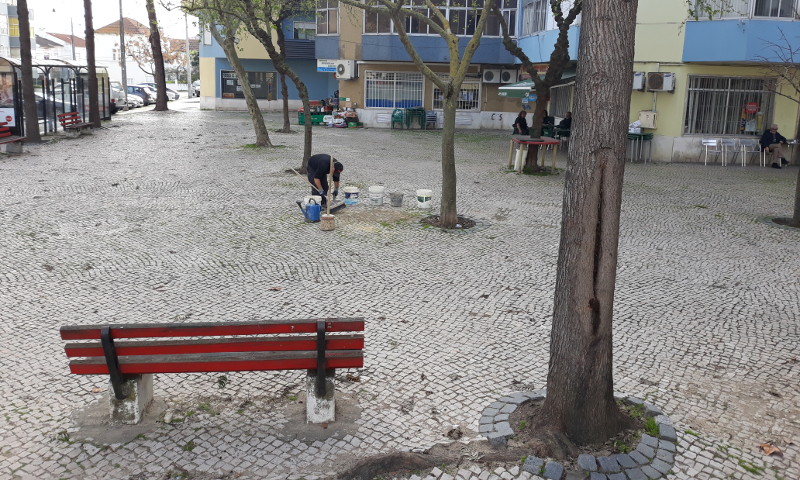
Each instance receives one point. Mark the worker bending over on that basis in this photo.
(319, 167)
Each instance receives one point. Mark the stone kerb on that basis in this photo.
(653, 458)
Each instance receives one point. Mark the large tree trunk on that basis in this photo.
(287, 126)
(28, 96)
(229, 46)
(94, 103)
(448, 214)
(158, 59)
(580, 401)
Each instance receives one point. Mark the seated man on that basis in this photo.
(772, 141)
(566, 124)
(520, 124)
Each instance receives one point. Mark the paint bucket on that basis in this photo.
(376, 194)
(396, 199)
(312, 211)
(350, 195)
(424, 198)
(328, 222)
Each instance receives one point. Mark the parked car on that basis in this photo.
(196, 86)
(171, 94)
(143, 92)
(135, 101)
(118, 98)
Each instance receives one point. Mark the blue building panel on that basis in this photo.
(327, 47)
(430, 48)
(737, 40)
(320, 85)
(539, 47)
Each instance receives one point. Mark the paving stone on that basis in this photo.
(625, 460)
(608, 464)
(553, 471)
(587, 462)
(667, 432)
(665, 456)
(639, 457)
(661, 465)
(533, 465)
(651, 472)
(645, 450)
(649, 441)
(666, 445)
(497, 440)
(598, 476)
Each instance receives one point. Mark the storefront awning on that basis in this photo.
(524, 88)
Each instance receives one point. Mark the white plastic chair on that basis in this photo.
(749, 146)
(729, 145)
(713, 145)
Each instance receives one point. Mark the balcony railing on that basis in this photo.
(300, 49)
(776, 9)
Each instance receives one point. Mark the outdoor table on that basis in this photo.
(523, 141)
(636, 143)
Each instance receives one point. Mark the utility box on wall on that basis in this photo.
(647, 119)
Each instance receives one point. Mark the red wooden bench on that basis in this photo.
(13, 142)
(131, 353)
(72, 124)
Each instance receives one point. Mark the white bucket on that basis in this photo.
(350, 195)
(424, 198)
(376, 194)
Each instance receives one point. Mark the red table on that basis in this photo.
(523, 142)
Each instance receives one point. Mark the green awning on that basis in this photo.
(524, 88)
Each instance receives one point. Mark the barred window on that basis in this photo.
(561, 98)
(462, 15)
(13, 27)
(534, 16)
(392, 89)
(774, 8)
(327, 17)
(468, 97)
(716, 105)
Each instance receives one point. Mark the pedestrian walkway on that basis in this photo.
(169, 217)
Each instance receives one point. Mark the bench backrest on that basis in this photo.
(69, 118)
(5, 131)
(211, 347)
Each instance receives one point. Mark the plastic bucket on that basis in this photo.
(376, 195)
(350, 195)
(396, 198)
(424, 198)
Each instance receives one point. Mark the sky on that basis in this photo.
(54, 15)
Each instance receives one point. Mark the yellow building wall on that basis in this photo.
(250, 47)
(208, 80)
(659, 31)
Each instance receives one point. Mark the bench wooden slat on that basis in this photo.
(72, 120)
(92, 332)
(220, 362)
(175, 347)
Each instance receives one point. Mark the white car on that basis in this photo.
(135, 101)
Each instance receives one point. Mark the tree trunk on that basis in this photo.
(158, 59)
(229, 47)
(531, 159)
(28, 95)
(580, 401)
(94, 103)
(448, 214)
(287, 126)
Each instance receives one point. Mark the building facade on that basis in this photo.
(692, 78)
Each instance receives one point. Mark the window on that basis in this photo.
(774, 8)
(206, 35)
(463, 16)
(715, 105)
(393, 89)
(468, 96)
(13, 27)
(534, 16)
(561, 99)
(327, 17)
(3, 25)
(305, 30)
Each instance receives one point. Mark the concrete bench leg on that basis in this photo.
(320, 409)
(138, 392)
(72, 133)
(14, 147)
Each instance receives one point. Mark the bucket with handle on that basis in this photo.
(350, 195)
(376, 194)
(424, 198)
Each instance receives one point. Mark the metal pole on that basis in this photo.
(72, 38)
(188, 58)
(123, 61)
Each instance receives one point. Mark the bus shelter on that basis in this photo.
(60, 86)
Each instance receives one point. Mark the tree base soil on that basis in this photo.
(433, 221)
(534, 433)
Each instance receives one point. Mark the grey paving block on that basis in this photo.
(625, 460)
(533, 465)
(616, 476)
(608, 464)
(639, 457)
(667, 445)
(665, 456)
(661, 465)
(553, 471)
(635, 474)
(667, 432)
(651, 410)
(646, 450)
(598, 476)
(649, 440)
(503, 428)
(587, 462)
(651, 472)
(497, 440)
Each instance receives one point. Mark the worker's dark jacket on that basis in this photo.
(319, 166)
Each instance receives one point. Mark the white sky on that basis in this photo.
(54, 15)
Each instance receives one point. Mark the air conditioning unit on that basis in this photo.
(638, 81)
(491, 76)
(345, 69)
(508, 76)
(660, 82)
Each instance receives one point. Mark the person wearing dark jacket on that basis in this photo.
(772, 141)
(566, 123)
(548, 121)
(319, 167)
(520, 124)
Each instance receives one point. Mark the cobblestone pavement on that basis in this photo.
(167, 217)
